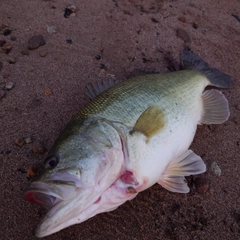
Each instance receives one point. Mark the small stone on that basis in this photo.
(1, 66)
(47, 92)
(67, 13)
(11, 60)
(43, 53)
(195, 24)
(2, 93)
(98, 57)
(2, 42)
(69, 41)
(154, 20)
(7, 32)
(101, 66)
(183, 35)
(19, 142)
(7, 48)
(201, 184)
(36, 42)
(13, 38)
(70, 11)
(4, 25)
(73, 8)
(9, 85)
(215, 169)
(52, 29)
(6, 75)
(182, 19)
(25, 52)
(27, 140)
(38, 148)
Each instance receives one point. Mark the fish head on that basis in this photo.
(70, 182)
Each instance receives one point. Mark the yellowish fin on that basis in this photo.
(186, 164)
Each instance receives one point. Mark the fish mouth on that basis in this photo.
(52, 191)
(40, 194)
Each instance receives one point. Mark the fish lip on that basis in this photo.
(42, 195)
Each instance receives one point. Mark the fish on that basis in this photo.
(130, 136)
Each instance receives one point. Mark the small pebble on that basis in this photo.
(154, 20)
(70, 11)
(201, 184)
(6, 75)
(6, 32)
(11, 60)
(183, 35)
(4, 25)
(67, 13)
(13, 38)
(69, 41)
(47, 92)
(27, 140)
(52, 29)
(43, 53)
(19, 142)
(182, 19)
(98, 57)
(2, 42)
(101, 66)
(36, 42)
(195, 24)
(22, 170)
(25, 52)
(9, 85)
(215, 169)
(7, 48)
(2, 93)
(38, 148)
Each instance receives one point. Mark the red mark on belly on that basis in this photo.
(128, 178)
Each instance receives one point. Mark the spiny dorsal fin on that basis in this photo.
(215, 107)
(92, 90)
(191, 60)
(186, 164)
(150, 122)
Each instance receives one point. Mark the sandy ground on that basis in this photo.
(48, 91)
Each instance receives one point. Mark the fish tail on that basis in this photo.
(191, 60)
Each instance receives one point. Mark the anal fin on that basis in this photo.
(186, 164)
(215, 107)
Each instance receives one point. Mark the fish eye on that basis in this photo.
(51, 162)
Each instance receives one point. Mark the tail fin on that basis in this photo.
(217, 78)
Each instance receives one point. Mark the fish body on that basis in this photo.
(131, 136)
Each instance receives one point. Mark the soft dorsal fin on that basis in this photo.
(92, 90)
(150, 122)
(186, 164)
(215, 107)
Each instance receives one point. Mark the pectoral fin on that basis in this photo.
(215, 107)
(186, 164)
(150, 122)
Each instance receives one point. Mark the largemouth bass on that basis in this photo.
(131, 136)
